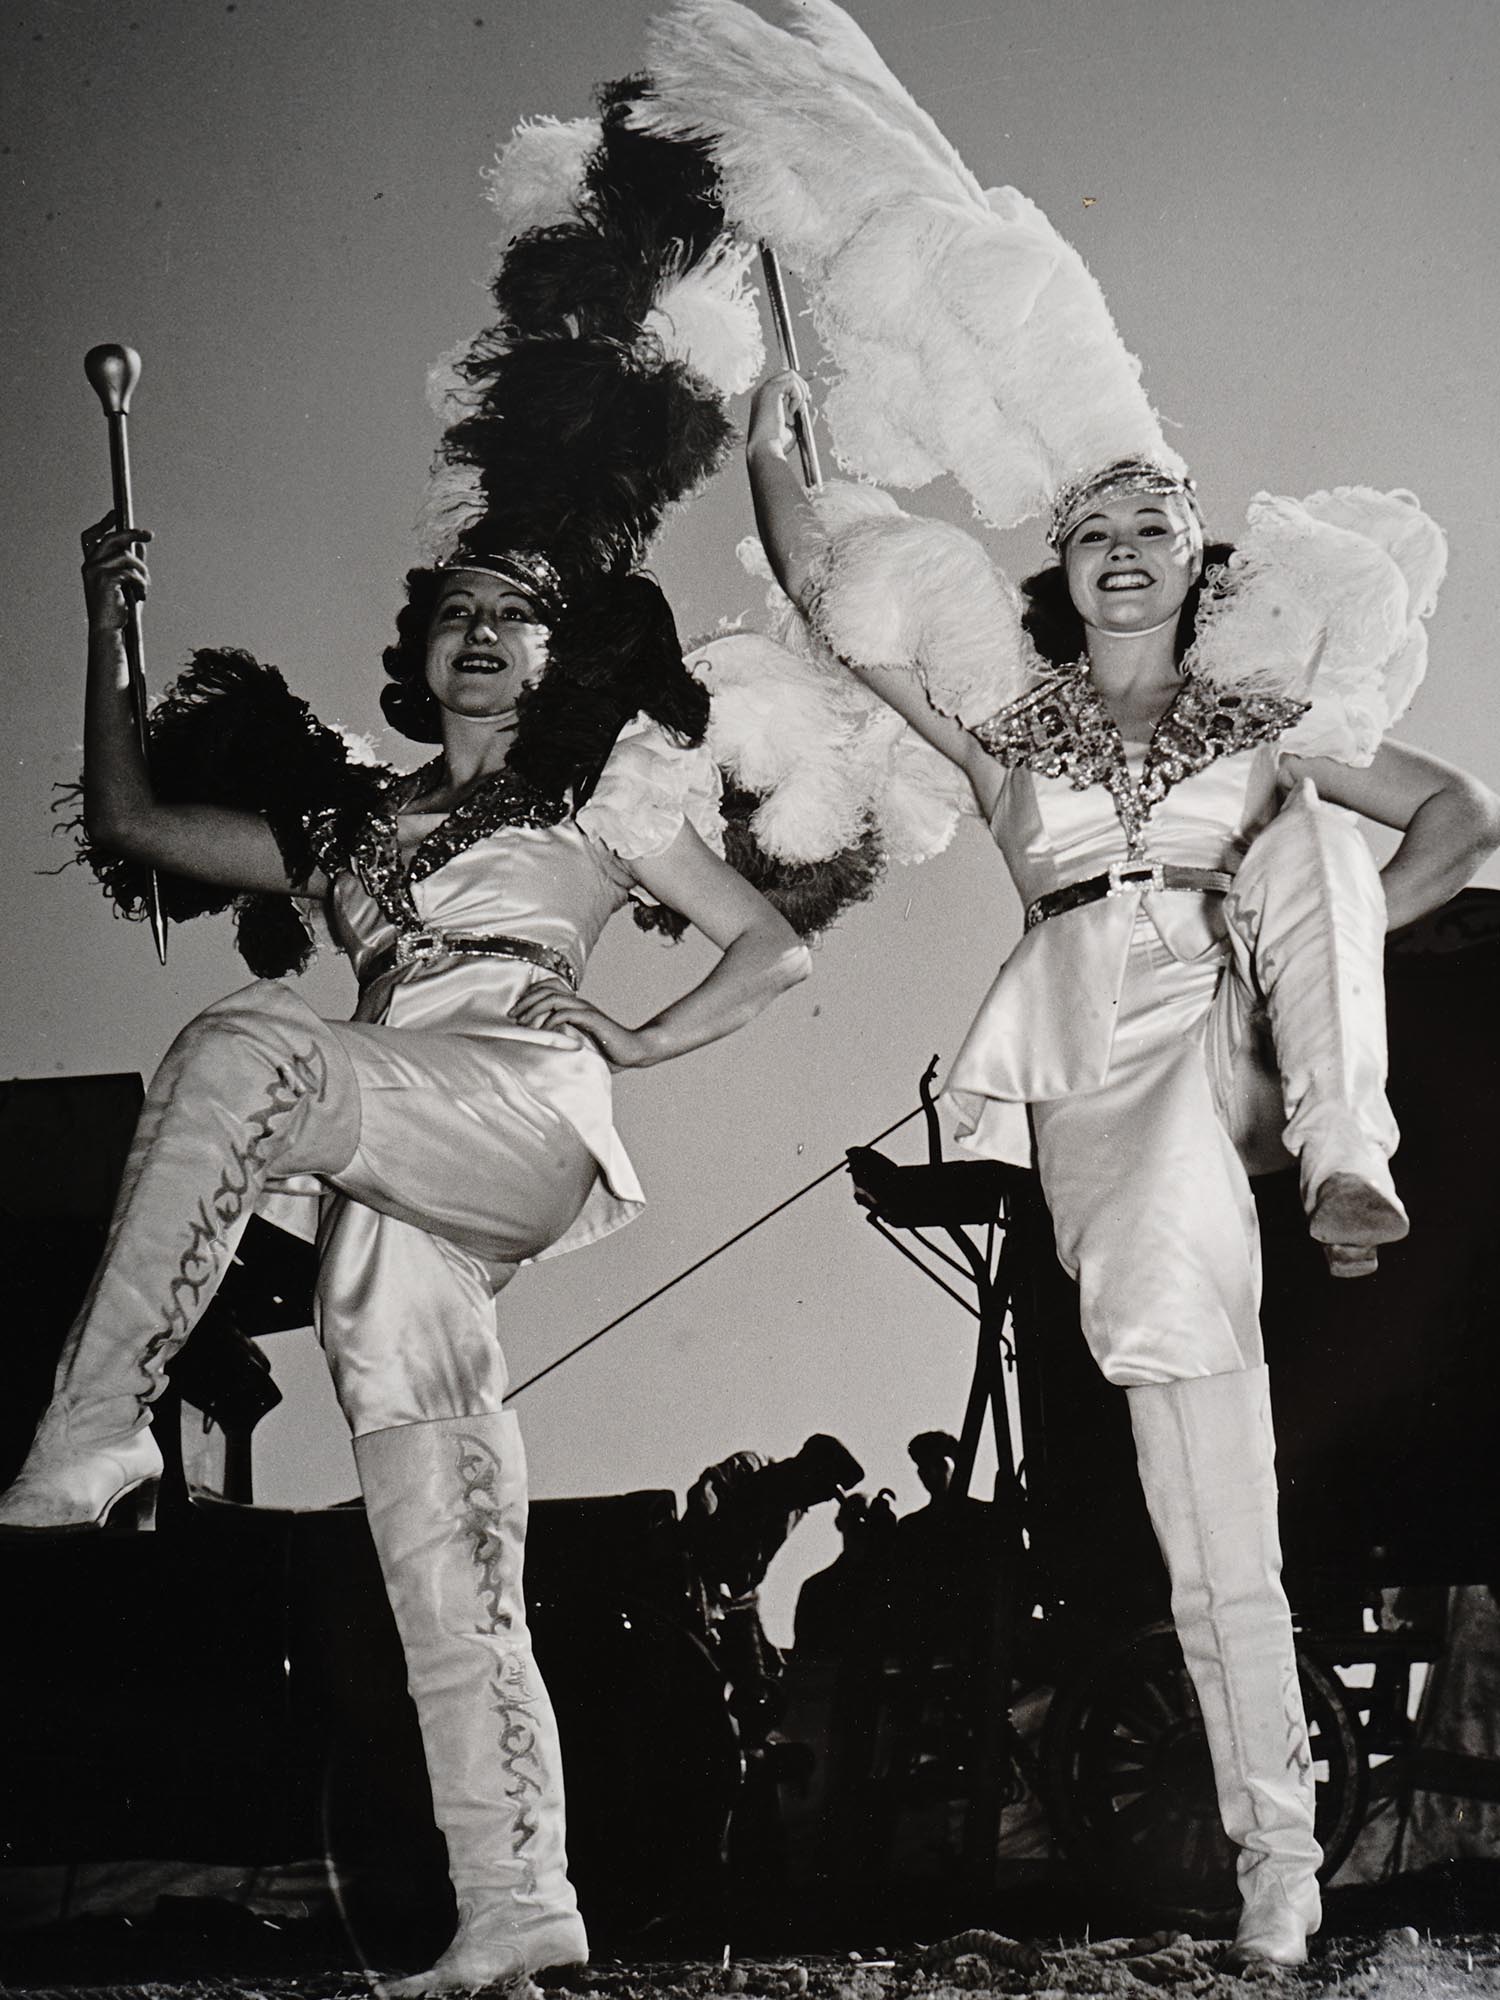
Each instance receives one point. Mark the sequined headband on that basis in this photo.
(1125, 475)
(527, 569)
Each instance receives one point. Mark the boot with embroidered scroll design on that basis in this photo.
(257, 1085)
(447, 1506)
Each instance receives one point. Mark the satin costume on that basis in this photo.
(1133, 1034)
(434, 1144)
(482, 1144)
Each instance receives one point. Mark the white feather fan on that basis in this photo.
(787, 720)
(896, 590)
(1325, 600)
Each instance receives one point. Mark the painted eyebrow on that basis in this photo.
(466, 599)
(1148, 507)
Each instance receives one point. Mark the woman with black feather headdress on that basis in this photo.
(460, 1125)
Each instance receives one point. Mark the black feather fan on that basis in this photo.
(229, 732)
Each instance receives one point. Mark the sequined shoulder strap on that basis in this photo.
(1059, 728)
(374, 855)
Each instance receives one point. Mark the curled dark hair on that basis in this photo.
(612, 652)
(408, 703)
(1056, 630)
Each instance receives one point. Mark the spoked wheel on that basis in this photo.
(1130, 1788)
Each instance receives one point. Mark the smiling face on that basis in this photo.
(1132, 561)
(485, 644)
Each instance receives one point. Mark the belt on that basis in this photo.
(1119, 879)
(416, 947)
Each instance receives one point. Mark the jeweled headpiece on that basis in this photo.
(527, 570)
(1081, 497)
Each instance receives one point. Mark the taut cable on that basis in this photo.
(728, 1244)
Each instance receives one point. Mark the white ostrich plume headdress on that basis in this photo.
(964, 335)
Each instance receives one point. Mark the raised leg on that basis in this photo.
(447, 1507)
(1307, 926)
(407, 1321)
(1206, 1457)
(256, 1086)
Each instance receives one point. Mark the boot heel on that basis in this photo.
(1351, 1260)
(132, 1511)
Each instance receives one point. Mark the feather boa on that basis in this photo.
(964, 334)
(230, 732)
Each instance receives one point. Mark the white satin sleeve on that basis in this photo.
(650, 785)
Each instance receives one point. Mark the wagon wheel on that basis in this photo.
(1129, 1786)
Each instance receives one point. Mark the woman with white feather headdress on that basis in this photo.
(461, 1124)
(1170, 755)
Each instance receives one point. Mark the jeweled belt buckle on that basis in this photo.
(1127, 875)
(414, 946)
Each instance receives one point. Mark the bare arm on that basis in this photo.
(1449, 821)
(789, 529)
(762, 957)
(793, 538)
(120, 810)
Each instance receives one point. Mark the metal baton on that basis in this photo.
(113, 372)
(801, 423)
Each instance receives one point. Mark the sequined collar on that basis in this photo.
(1062, 729)
(500, 801)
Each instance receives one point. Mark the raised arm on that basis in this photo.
(793, 539)
(120, 810)
(789, 529)
(1449, 820)
(762, 957)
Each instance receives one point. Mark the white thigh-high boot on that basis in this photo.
(446, 1502)
(256, 1086)
(1206, 1457)
(1307, 923)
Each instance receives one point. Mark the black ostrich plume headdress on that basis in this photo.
(593, 403)
(595, 400)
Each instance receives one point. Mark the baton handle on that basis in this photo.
(113, 372)
(786, 340)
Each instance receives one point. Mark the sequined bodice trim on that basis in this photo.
(1062, 729)
(374, 854)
